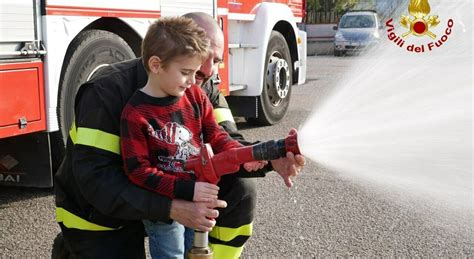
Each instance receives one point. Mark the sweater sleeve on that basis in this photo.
(134, 131)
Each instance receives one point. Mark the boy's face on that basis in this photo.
(177, 76)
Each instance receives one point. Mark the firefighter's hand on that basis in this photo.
(205, 192)
(289, 166)
(254, 165)
(196, 215)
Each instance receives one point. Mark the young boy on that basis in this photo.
(164, 124)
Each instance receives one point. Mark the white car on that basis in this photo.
(356, 31)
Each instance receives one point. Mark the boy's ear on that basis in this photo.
(154, 63)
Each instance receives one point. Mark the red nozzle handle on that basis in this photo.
(291, 144)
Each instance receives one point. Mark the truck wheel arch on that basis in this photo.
(288, 33)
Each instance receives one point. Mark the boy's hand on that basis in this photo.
(255, 165)
(205, 192)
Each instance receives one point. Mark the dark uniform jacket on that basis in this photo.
(92, 192)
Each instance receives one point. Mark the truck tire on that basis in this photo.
(89, 51)
(275, 98)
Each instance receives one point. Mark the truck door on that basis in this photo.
(21, 70)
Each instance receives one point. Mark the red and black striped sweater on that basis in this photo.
(157, 134)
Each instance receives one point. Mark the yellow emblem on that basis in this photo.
(421, 23)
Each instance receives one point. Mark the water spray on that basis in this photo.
(401, 116)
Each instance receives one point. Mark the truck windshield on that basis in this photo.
(357, 21)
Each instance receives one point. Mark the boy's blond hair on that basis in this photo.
(171, 37)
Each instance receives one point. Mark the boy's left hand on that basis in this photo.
(255, 165)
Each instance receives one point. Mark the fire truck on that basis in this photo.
(48, 48)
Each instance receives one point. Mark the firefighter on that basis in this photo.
(100, 211)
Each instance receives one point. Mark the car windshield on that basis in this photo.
(357, 21)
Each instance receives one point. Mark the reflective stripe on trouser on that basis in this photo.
(234, 224)
(70, 220)
(223, 251)
(229, 242)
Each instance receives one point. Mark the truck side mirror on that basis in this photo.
(334, 27)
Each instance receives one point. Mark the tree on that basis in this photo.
(327, 11)
(313, 5)
(343, 5)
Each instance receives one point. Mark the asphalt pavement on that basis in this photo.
(323, 215)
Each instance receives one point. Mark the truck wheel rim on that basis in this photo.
(278, 79)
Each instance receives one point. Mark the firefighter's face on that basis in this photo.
(176, 76)
(211, 65)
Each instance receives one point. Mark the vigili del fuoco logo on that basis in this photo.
(418, 24)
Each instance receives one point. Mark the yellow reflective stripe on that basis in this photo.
(227, 234)
(95, 138)
(72, 132)
(72, 221)
(226, 252)
(223, 114)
